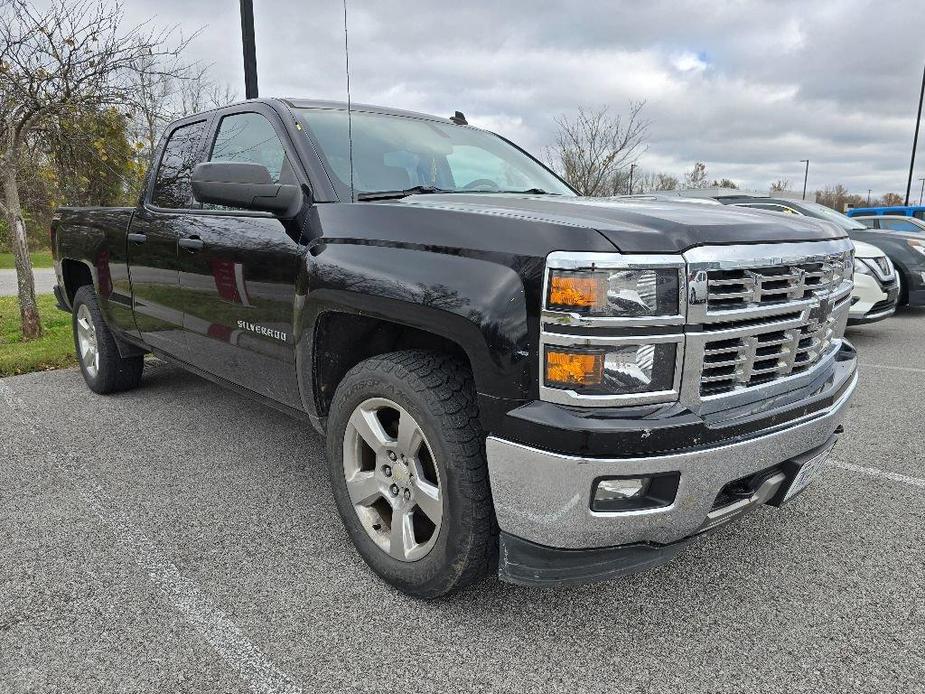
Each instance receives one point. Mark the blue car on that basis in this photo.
(917, 211)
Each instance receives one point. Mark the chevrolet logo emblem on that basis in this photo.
(819, 311)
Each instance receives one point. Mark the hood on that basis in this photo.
(639, 226)
(865, 250)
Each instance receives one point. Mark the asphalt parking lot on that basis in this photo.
(181, 538)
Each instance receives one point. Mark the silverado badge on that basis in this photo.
(261, 330)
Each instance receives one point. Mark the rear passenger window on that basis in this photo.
(249, 137)
(172, 187)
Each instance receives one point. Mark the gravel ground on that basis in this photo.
(181, 538)
(44, 281)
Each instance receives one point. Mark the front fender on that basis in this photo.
(477, 302)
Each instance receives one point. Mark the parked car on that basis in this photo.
(891, 223)
(916, 211)
(508, 375)
(905, 250)
(876, 287)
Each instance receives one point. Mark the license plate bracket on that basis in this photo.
(811, 466)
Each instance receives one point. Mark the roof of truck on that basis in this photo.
(368, 108)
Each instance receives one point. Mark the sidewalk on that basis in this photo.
(44, 281)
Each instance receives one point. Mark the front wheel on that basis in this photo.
(104, 369)
(408, 471)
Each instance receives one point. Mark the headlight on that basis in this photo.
(861, 268)
(615, 293)
(619, 370)
(623, 341)
(917, 245)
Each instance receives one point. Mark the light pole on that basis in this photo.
(632, 169)
(805, 176)
(868, 197)
(250, 49)
(915, 138)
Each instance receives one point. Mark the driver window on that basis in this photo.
(249, 137)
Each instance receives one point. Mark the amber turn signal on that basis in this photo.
(576, 291)
(574, 368)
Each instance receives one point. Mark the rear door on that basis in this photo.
(238, 269)
(153, 236)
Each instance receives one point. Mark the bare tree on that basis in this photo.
(198, 92)
(70, 56)
(697, 176)
(666, 181)
(164, 93)
(780, 185)
(654, 182)
(838, 198)
(592, 150)
(154, 93)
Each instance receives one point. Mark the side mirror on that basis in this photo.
(246, 186)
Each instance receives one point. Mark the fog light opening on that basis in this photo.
(634, 493)
(621, 490)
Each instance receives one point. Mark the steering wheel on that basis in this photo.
(481, 182)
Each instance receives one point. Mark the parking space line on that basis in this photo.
(890, 367)
(877, 472)
(182, 593)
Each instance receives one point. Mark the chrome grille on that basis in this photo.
(767, 313)
(744, 287)
(764, 356)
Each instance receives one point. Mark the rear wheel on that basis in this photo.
(104, 369)
(407, 467)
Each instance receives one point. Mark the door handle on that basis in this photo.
(193, 243)
(137, 238)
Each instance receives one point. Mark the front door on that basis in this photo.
(238, 274)
(152, 242)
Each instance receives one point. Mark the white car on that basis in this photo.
(876, 288)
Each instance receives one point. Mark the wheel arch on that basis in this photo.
(342, 338)
(76, 274)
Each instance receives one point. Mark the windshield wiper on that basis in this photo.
(528, 191)
(388, 194)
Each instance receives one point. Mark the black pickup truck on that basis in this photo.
(509, 376)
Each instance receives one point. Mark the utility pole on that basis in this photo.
(805, 176)
(922, 192)
(250, 49)
(632, 169)
(915, 138)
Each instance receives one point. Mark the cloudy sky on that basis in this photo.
(750, 88)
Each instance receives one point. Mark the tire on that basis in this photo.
(103, 368)
(437, 392)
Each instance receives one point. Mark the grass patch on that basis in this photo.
(39, 259)
(54, 350)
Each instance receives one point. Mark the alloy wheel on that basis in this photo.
(392, 479)
(86, 341)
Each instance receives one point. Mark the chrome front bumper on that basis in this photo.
(544, 497)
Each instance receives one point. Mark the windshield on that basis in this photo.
(814, 209)
(396, 153)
